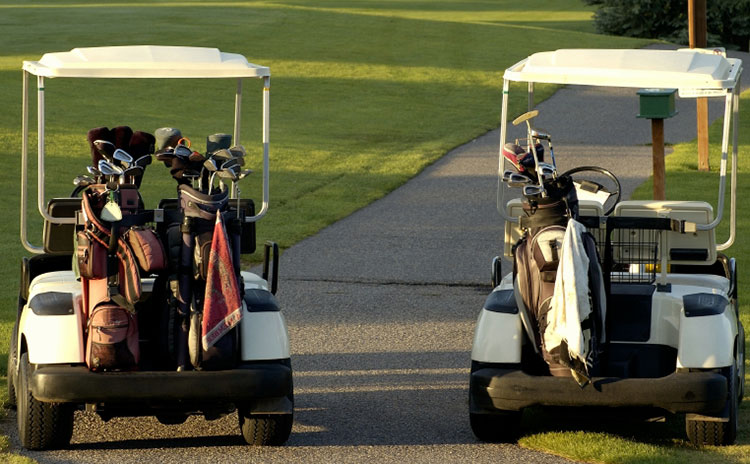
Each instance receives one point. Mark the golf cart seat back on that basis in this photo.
(514, 233)
(59, 238)
(689, 248)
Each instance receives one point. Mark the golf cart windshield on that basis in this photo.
(135, 62)
(695, 73)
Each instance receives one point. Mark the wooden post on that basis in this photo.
(657, 151)
(697, 32)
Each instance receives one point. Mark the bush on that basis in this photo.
(728, 21)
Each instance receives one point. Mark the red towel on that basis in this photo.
(222, 308)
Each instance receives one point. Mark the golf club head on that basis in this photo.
(533, 191)
(122, 156)
(518, 180)
(182, 151)
(210, 165)
(82, 181)
(143, 161)
(541, 135)
(546, 170)
(222, 155)
(133, 171)
(93, 171)
(525, 117)
(106, 168)
(227, 174)
(507, 174)
(238, 151)
(105, 148)
(230, 164)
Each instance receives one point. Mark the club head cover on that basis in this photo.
(141, 144)
(217, 142)
(528, 160)
(122, 135)
(98, 133)
(166, 138)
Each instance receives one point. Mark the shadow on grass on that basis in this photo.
(642, 426)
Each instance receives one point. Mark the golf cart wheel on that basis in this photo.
(714, 433)
(12, 378)
(265, 429)
(500, 427)
(41, 425)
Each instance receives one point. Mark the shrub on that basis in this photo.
(728, 21)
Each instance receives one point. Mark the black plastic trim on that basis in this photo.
(77, 384)
(501, 301)
(688, 254)
(513, 390)
(258, 300)
(52, 304)
(704, 304)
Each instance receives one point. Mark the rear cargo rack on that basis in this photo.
(630, 248)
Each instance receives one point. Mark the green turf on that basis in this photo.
(363, 96)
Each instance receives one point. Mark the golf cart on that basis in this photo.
(104, 328)
(611, 304)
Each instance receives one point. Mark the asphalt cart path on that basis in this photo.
(381, 308)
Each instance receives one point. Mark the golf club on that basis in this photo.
(121, 156)
(105, 148)
(96, 173)
(517, 180)
(537, 134)
(525, 118)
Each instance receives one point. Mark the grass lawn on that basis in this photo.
(364, 95)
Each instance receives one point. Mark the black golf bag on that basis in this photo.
(537, 260)
(190, 243)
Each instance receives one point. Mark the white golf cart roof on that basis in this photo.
(143, 62)
(133, 62)
(684, 69)
(694, 72)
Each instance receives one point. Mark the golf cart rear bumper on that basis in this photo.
(494, 389)
(247, 383)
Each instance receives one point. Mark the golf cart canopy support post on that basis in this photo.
(133, 62)
(695, 72)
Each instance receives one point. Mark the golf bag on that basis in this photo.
(110, 271)
(536, 265)
(197, 239)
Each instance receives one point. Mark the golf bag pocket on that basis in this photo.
(147, 248)
(202, 253)
(112, 343)
(91, 256)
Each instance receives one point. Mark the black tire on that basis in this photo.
(11, 374)
(265, 429)
(497, 427)
(500, 427)
(717, 433)
(41, 425)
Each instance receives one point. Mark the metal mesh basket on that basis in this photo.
(633, 254)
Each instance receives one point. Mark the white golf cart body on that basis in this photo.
(673, 328)
(50, 329)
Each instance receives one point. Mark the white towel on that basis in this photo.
(570, 302)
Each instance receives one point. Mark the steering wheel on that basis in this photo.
(595, 189)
